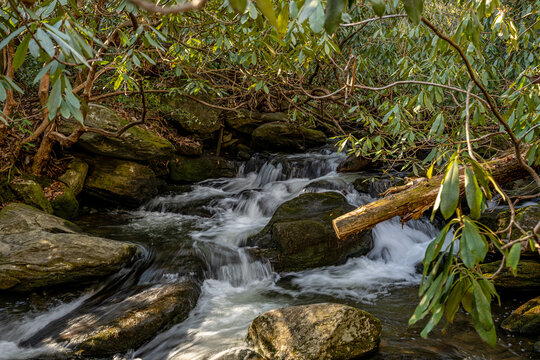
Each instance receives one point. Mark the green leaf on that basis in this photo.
(474, 246)
(20, 54)
(473, 193)
(512, 259)
(452, 304)
(238, 5)
(11, 37)
(267, 9)
(45, 42)
(307, 10)
(466, 299)
(435, 318)
(379, 6)
(414, 9)
(334, 9)
(283, 21)
(481, 314)
(449, 193)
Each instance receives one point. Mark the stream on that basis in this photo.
(209, 223)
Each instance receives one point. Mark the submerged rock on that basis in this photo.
(527, 277)
(525, 319)
(39, 250)
(193, 169)
(121, 325)
(242, 353)
(75, 175)
(315, 332)
(137, 143)
(286, 137)
(32, 194)
(120, 181)
(300, 235)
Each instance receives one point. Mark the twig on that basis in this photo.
(166, 10)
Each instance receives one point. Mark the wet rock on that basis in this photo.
(6, 194)
(525, 319)
(497, 219)
(75, 175)
(238, 354)
(32, 194)
(137, 143)
(121, 325)
(39, 250)
(188, 169)
(353, 163)
(336, 184)
(189, 147)
(300, 235)
(120, 181)
(191, 116)
(64, 203)
(315, 332)
(286, 137)
(246, 122)
(527, 277)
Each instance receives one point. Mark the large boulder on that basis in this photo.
(355, 163)
(191, 116)
(121, 325)
(241, 353)
(497, 219)
(527, 277)
(39, 250)
(300, 234)
(525, 319)
(245, 121)
(75, 175)
(193, 169)
(137, 143)
(286, 137)
(63, 201)
(315, 332)
(120, 182)
(31, 193)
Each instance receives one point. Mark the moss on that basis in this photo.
(287, 137)
(75, 175)
(190, 115)
(31, 193)
(525, 319)
(527, 277)
(193, 169)
(65, 205)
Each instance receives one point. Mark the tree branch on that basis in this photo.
(166, 10)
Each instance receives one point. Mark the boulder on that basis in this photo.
(75, 175)
(245, 121)
(120, 182)
(189, 147)
(242, 353)
(497, 219)
(286, 137)
(31, 193)
(193, 169)
(123, 324)
(527, 277)
(39, 250)
(64, 203)
(300, 235)
(137, 143)
(525, 319)
(355, 163)
(191, 116)
(315, 332)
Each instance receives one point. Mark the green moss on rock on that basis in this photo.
(286, 137)
(527, 277)
(65, 205)
(525, 319)
(190, 115)
(193, 169)
(31, 193)
(75, 175)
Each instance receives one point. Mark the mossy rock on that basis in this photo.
(190, 115)
(245, 121)
(40, 250)
(497, 219)
(137, 143)
(527, 277)
(194, 169)
(315, 332)
(6, 194)
(286, 137)
(300, 234)
(120, 182)
(525, 319)
(65, 204)
(75, 175)
(31, 193)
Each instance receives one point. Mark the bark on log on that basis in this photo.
(411, 203)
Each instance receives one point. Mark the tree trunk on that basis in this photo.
(10, 102)
(412, 202)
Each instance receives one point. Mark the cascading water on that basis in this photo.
(212, 222)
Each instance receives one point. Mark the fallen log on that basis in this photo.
(419, 197)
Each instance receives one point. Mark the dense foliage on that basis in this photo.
(429, 86)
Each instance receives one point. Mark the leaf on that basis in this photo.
(267, 9)
(512, 259)
(379, 6)
(238, 5)
(307, 10)
(11, 37)
(20, 54)
(283, 21)
(334, 9)
(435, 318)
(474, 246)
(449, 193)
(481, 314)
(466, 299)
(473, 193)
(45, 42)
(452, 304)
(414, 9)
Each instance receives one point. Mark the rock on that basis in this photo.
(536, 346)
(121, 325)
(300, 235)
(525, 319)
(527, 277)
(242, 353)
(187, 169)
(75, 175)
(315, 332)
(353, 163)
(192, 116)
(31, 193)
(286, 137)
(6, 194)
(120, 181)
(189, 147)
(64, 204)
(497, 219)
(244, 121)
(137, 143)
(39, 250)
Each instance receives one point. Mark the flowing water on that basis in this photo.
(205, 228)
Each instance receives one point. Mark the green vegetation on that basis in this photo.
(430, 86)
